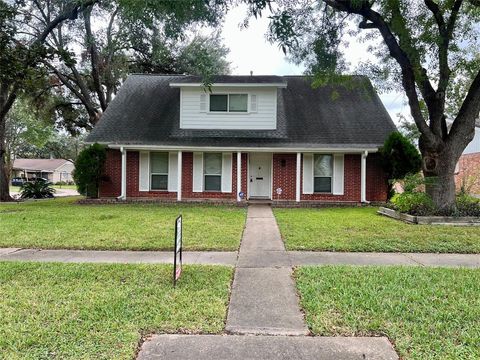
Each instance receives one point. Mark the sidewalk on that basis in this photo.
(265, 258)
(264, 302)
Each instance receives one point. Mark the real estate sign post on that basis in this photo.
(177, 250)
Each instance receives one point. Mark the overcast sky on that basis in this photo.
(250, 51)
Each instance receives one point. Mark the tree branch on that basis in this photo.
(95, 59)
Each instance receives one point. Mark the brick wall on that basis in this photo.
(469, 173)
(111, 186)
(377, 184)
(284, 170)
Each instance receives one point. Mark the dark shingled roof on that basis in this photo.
(229, 79)
(146, 111)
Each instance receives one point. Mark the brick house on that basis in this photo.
(467, 172)
(249, 137)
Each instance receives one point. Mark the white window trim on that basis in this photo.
(205, 174)
(152, 173)
(228, 104)
(331, 177)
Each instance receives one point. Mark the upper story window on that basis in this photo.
(322, 173)
(158, 171)
(229, 103)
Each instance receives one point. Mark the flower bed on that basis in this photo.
(431, 220)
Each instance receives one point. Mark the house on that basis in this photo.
(248, 137)
(467, 172)
(54, 170)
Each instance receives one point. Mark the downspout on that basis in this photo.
(123, 193)
(363, 170)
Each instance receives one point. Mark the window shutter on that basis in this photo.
(307, 174)
(203, 102)
(253, 103)
(144, 171)
(227, 172)
(197, 172)
(173, 171)
(338, 174)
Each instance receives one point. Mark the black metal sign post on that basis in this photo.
(177, 250)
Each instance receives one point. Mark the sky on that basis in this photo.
(250, 51)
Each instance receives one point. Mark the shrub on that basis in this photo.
(88, 170)
(467, 205)
(37, 189)
(400, 157)
(414, 203)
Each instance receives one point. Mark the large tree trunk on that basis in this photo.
(4, 168)
(439, 172)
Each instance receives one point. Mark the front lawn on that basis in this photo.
(362, 229)
(92, 311)
(427, 313)
(62, 224)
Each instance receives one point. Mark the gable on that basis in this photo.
(146, 111)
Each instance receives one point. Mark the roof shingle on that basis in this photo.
(146, 111)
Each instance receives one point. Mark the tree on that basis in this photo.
(400, 157)
(42, 37)
(89, 170)
(91, 62)
(20, 53)
(427, 48)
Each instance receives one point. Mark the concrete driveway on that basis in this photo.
(58, 193)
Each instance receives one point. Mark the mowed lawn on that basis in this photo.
(362, 229)
(61, 223)
(427, 313)
(93, 311)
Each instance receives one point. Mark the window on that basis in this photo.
(322, 173)
(158, 171)
(229, 103)
(212, 171)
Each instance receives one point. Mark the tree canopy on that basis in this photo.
(428, 49)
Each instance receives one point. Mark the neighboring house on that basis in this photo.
(54, 170)
(250, 137)
(467, 172)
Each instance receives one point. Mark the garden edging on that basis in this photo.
(430, 220)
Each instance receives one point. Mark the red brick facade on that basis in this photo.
(468, 173)
(284, 177)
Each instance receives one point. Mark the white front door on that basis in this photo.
(260, 175)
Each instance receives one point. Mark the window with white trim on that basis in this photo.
(234, 103)
(322, 173)
(212, 171)
(158, 171)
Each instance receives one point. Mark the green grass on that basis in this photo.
(427, 313)
(61, 223)
(362, 229)
(92, 311)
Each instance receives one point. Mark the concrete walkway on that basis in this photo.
(123, 257)
(248, 258)
(264, 299)
(219, 347)
(264, 302)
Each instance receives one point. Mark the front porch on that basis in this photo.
(223, 176)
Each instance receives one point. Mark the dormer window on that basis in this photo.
(236, 103)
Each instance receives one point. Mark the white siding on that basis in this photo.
(474, 146)
(264, 118)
